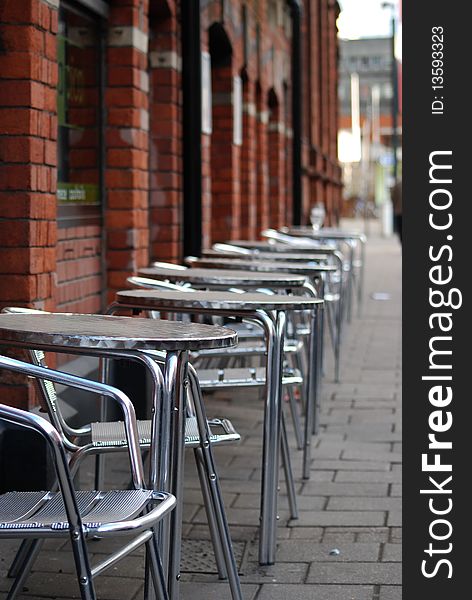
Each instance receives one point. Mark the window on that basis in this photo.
(79, 110)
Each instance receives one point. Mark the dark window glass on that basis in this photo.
(79, 101)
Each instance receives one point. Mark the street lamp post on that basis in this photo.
(394, 103)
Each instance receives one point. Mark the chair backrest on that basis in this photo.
(47, 389)
(290, 240)
(231, 248)
(156, 284)
(166, 265)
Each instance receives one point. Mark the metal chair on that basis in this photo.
(104, 436)
(251, 345)
(337, 292)
(36, 515)
(212, 379)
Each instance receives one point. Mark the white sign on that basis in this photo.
(349, 146)
(207, 125)
(237, 111)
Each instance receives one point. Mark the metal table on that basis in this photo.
(113, 337)
(269, 311)
(348, 237)
(264, 266)
(325, 233)
(225, 278)
(287, 256)
(316, 272)
(272, 246)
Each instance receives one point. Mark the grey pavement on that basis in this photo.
(346, 544)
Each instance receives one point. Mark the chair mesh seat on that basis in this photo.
(46, 509)
(248, 348)
(242, 377)
(113, 434)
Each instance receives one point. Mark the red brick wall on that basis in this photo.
(79, 269)
(28, 131)
(225, 161)
(127, 142)
(165, 198)
(244, 189)
(277, 157)
(248, 161)
(262, 164)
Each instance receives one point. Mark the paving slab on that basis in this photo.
(315, 592)
(355, 572)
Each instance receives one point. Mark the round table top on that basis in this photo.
(335, 234)
(274, 256)
(105, 332)
(261, 266)
(225, 277)
(272, 246)
(214, 300)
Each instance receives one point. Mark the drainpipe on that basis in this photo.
(296, 7)
(192, 127)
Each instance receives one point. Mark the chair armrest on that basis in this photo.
(96, 388)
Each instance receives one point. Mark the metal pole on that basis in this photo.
(192, 127)
(297, 188)
(394, 76)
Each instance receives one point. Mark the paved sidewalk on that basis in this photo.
(346, 544)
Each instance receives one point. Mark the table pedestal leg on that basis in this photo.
(313, 387)
(176, 377)
(274, 330)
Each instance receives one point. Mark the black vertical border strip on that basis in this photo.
(424, 133)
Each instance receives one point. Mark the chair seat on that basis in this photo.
(112, 434)
(246, 331)
(242, 377)
(45, 510)
(331, 297)
(248, 348)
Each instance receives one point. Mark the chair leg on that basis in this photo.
(104, 374)
(297, 427)
(214, 488)
(301, 363)
(82, 567)
(289, 482)
(211, 517)
(207, 501)
(23, 570)
(20, 557)
(154, 565)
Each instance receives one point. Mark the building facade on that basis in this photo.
(136, 130)
(366, 87)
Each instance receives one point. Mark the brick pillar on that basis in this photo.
(166, 147)
(276, 168)
(248, 162)
(288, 149)
(225, 160)
(325, 97)
(28, 133)
(127, 141)
(206, 191)
(334, 113)
(262, 163)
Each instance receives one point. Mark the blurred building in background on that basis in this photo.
(367, 96)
